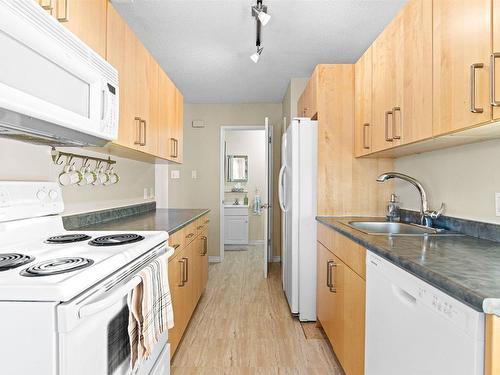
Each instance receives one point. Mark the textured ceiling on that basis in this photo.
(204, 45)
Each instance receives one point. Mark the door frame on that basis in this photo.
(222, 155)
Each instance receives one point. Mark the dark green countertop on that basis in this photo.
(169, 220)
(464, 267)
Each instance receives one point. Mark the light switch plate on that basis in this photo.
(175, 174)
(194, 175)
(497, 204)
(198, 124)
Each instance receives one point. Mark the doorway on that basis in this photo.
(246, 172)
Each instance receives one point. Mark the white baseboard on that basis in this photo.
(256, 242)
(214, 259)
(276, 259)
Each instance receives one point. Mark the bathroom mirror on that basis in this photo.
(237, 168)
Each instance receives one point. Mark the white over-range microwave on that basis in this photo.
(54, 89)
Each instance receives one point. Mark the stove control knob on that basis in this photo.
(53, 194)
(41, 194)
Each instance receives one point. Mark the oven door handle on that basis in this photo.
(108, 299)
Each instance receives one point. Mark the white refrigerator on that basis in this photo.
(297, 197)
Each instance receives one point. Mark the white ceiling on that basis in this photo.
(204, 45)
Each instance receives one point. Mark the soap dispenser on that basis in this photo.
(393, 213)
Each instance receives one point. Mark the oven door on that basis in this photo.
(93, 332)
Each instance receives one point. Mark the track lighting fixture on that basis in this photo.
(259, 12)
(256, 56)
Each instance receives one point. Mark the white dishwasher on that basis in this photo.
(412, 328)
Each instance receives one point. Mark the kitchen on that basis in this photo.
(111, 187)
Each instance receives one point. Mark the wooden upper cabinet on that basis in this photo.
(121, 53)
(166, 116)
(384, 95)
(179, 126)
(402, 78)
(414, 73)
(462, 43)
(495, 93)
(307, 105)
(85, 18)
(363, 104)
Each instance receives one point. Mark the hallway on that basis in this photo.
(242, 325)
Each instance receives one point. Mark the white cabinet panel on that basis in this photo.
(236, 230)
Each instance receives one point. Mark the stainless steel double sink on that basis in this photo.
(395, 229)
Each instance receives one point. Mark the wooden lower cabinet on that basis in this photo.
(187, 276)
(341, 305)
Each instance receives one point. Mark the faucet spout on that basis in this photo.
(423, 196)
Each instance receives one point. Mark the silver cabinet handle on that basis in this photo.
(65, 16)
(394, 123)
(174, 151)
(186, 273)
(493, 59)
(329, 275)
(205, 245)
(143, 125)
(137, 131)
(387, 138)
(473, 69)
(182, 263)
(366, 145)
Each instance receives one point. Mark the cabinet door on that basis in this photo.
(363, 104)
(204, 259)
(325, 300)
(351, 337)
(121, 53)
(145, 96)
(86, 19)
(461, 51)
(179, 126)
(413, 63)
(179, 301)
(167, 116)
(495, 82)
(384, 87)
(235, 230)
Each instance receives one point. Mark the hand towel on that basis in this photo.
(151, 313)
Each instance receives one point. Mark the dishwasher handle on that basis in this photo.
(404, 296)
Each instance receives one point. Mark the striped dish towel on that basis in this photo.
(150, 310)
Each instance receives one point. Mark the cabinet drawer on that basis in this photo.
(352, 254)
(189, 233)
(176, 240)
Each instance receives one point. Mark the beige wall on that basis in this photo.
(292, 95)
(465, 178)
(251, 143)
(201, 153)
(24, 161)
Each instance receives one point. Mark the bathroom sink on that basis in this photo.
(394, 229)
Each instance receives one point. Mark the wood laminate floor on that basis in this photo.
(242, 325)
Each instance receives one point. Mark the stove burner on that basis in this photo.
(13, 260)
(57, 266)
(68, 238)
(116, 239)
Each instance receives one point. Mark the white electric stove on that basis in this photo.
(64, 293)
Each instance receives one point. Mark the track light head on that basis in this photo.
(259, 11)
(256, 56)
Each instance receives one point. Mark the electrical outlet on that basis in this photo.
(151, 193)
(194, 175)
(146, 193)
(175, 174)
(497, 204)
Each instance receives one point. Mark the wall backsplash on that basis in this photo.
(465, 178)
(24, 161)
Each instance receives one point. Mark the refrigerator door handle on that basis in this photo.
(280, 188)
